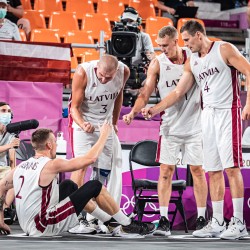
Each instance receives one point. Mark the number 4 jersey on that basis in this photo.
(218, 81)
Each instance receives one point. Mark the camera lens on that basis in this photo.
(123, 45)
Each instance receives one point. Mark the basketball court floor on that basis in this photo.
(178, 240)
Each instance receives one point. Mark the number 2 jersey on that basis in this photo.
(98, 103)
(218, 81)
(32, 201)
(183, 118)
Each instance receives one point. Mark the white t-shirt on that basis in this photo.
(9, 31)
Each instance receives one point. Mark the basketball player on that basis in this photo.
(97, 94)
(215, 66)
(180, 127)
(43, 208)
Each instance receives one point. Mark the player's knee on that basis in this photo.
(95, 187)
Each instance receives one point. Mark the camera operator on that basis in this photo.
(8, 142)
(131, 19)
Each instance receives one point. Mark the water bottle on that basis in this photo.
(61, 150)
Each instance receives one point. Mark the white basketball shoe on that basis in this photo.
(235, 230)
(212, 229)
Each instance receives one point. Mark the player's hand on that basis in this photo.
(106, 128)
(88, 127)
(128, 118)
(246, 113)
(4, 229)
(147, 113)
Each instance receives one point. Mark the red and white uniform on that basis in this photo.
(38, 208)
(180, 126)
(221, 116)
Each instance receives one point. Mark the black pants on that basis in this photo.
(79, 197)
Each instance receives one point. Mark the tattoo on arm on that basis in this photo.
(2, 200)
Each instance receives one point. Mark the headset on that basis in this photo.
(133, 11)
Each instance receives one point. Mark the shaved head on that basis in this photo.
(108, 63)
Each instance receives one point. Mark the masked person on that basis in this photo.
(8, 30)
(8, 142)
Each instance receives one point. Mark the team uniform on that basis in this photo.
(97, 106)
(180, 124)
(221, 115)
(38, 208)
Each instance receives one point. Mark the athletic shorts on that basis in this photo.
(83, 142)
(59, 218)
(221, 130)
(190, 147)
(4, 170)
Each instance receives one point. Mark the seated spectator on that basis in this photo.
(8, 30)
(168, 7)
(15, 15)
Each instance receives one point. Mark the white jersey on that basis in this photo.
(183, 118)
(218, 81)
(5, 139)
(33, 201)
(98, 103)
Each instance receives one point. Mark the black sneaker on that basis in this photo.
(200, 223)
(163, 228)
(135, 227)
(9, 216)
(147, 228)
(111, 225)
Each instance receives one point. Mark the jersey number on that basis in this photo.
(206, 88)
(104, 109)
(18, 196)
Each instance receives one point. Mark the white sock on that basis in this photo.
(164, 211)
(121, 218)
(99, 214)
(238, 208)
(201, 212)
(218, 211)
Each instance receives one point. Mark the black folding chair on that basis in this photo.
(143, 153)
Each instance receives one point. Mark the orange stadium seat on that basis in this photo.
(36, 19)
(22, 35)
(48, 6)
(44, 35)
(63, 21)
(79, 36)
(80, 7)
(94, 23)
(26, 4)
(181, 22)
(113, 9)
(154, 24)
